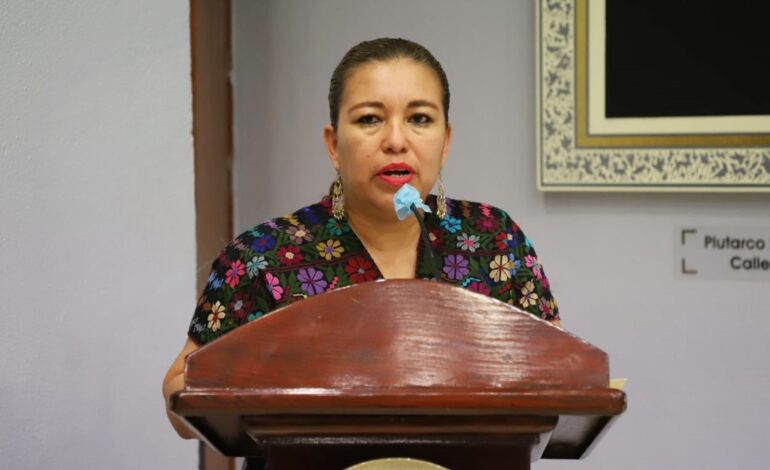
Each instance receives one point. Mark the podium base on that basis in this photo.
(454, 453)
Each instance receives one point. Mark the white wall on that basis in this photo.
(695, 351)
(97, 237)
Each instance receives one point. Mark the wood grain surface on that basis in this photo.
(399, 364)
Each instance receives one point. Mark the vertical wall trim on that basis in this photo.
(210, 32)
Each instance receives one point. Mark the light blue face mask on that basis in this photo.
(406, 202)
(405, 197)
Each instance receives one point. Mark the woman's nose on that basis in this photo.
(394, 140)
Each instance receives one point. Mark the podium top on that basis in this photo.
(397, 334)
(404, 347)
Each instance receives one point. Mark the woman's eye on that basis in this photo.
(368, 120)
(421, 119)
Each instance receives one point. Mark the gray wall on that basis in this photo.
(695, 351)
(97, 231)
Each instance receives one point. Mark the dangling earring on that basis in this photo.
(338, 199)
(440, 198)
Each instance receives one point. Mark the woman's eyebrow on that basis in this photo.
(366, 104)
(422, 103)
(380, 105)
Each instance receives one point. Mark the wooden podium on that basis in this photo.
(400, 368)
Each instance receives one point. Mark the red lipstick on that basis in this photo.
(396, 174)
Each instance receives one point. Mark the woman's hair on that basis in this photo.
(382, 49)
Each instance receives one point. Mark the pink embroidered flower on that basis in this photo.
(233, 275)
(273, 286)
(534, 264)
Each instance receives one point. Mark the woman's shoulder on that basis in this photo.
(299, 226)
(312, 216)
(289, 240)
(461, 208)
(243, 283)
(470, 216)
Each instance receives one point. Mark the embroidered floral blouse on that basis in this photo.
(309, 252)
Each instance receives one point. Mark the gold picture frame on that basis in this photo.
(578, 149)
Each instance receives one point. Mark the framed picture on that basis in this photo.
(660, 95)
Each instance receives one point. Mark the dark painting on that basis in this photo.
(669, 58)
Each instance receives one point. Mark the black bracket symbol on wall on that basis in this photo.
(686, 270)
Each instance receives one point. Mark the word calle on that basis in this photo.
(750, 264)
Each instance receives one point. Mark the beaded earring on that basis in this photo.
(338, 199)
(440, 198)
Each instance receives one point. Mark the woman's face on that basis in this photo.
(391, 131)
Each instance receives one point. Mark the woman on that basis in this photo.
(389, 106)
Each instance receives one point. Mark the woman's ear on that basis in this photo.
(330, 138)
